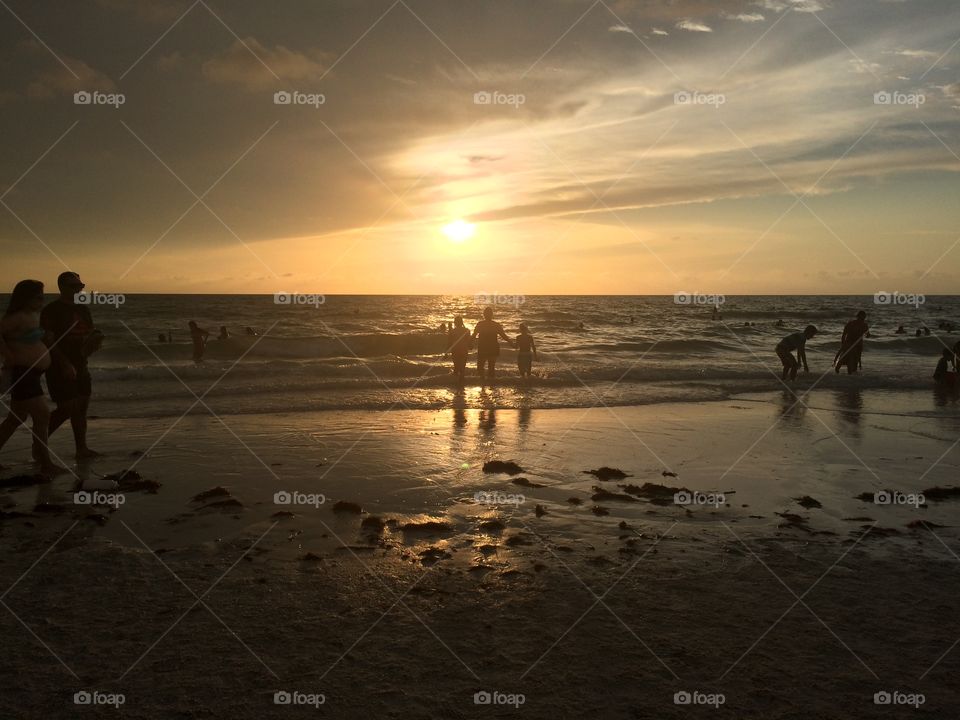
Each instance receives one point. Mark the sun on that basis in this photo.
(459, 231)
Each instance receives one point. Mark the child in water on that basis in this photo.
(795, 341)
(458, 345)
(526, 351)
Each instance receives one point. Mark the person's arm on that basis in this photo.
(476, 329)
(533, 346)
(501, 333)
(802, 357)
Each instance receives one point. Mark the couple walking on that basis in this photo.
(53, 340)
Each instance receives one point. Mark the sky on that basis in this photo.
(522, 146)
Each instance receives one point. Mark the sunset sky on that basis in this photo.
(784, 174)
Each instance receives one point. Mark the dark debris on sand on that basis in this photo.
(21, 481)
(524, 482)
(502, 466)
(941, 493)
(599, 494)
(131, 481)
(607, 473)
(654, 492)
(218, 492)
(808, 502)
(343, 506)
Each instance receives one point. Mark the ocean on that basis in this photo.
(386, 352)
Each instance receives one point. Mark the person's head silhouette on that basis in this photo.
(488, 313)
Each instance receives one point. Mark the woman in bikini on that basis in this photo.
(26, 357)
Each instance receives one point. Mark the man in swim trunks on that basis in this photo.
(487, 332)
(72, 337)
(851, 344)
(796, 341)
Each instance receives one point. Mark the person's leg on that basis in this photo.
(40, 413)
(11, 422)
(493, 364)
(78, 421)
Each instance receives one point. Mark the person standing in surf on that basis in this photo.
(72, 338)
(458, 345)
(199, 336)
(795, 341)
(851, 344)
(487, 333)
(27, 358)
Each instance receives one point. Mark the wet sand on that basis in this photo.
(421, 579)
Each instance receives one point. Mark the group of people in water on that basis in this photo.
(56, 340)
(850, 354)
(488, 333)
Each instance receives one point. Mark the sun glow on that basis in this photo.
(459, 231)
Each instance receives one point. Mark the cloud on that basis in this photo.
(693, 26)
(745, 17)
(250, 65)
(63, 78)
(658, 31)
(916, 53)
(620, 28)
(808, 6)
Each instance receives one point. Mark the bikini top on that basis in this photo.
(34, 335)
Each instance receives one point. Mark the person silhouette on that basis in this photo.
(458, 345)
(487, 333)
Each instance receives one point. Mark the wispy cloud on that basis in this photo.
(693, 26)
